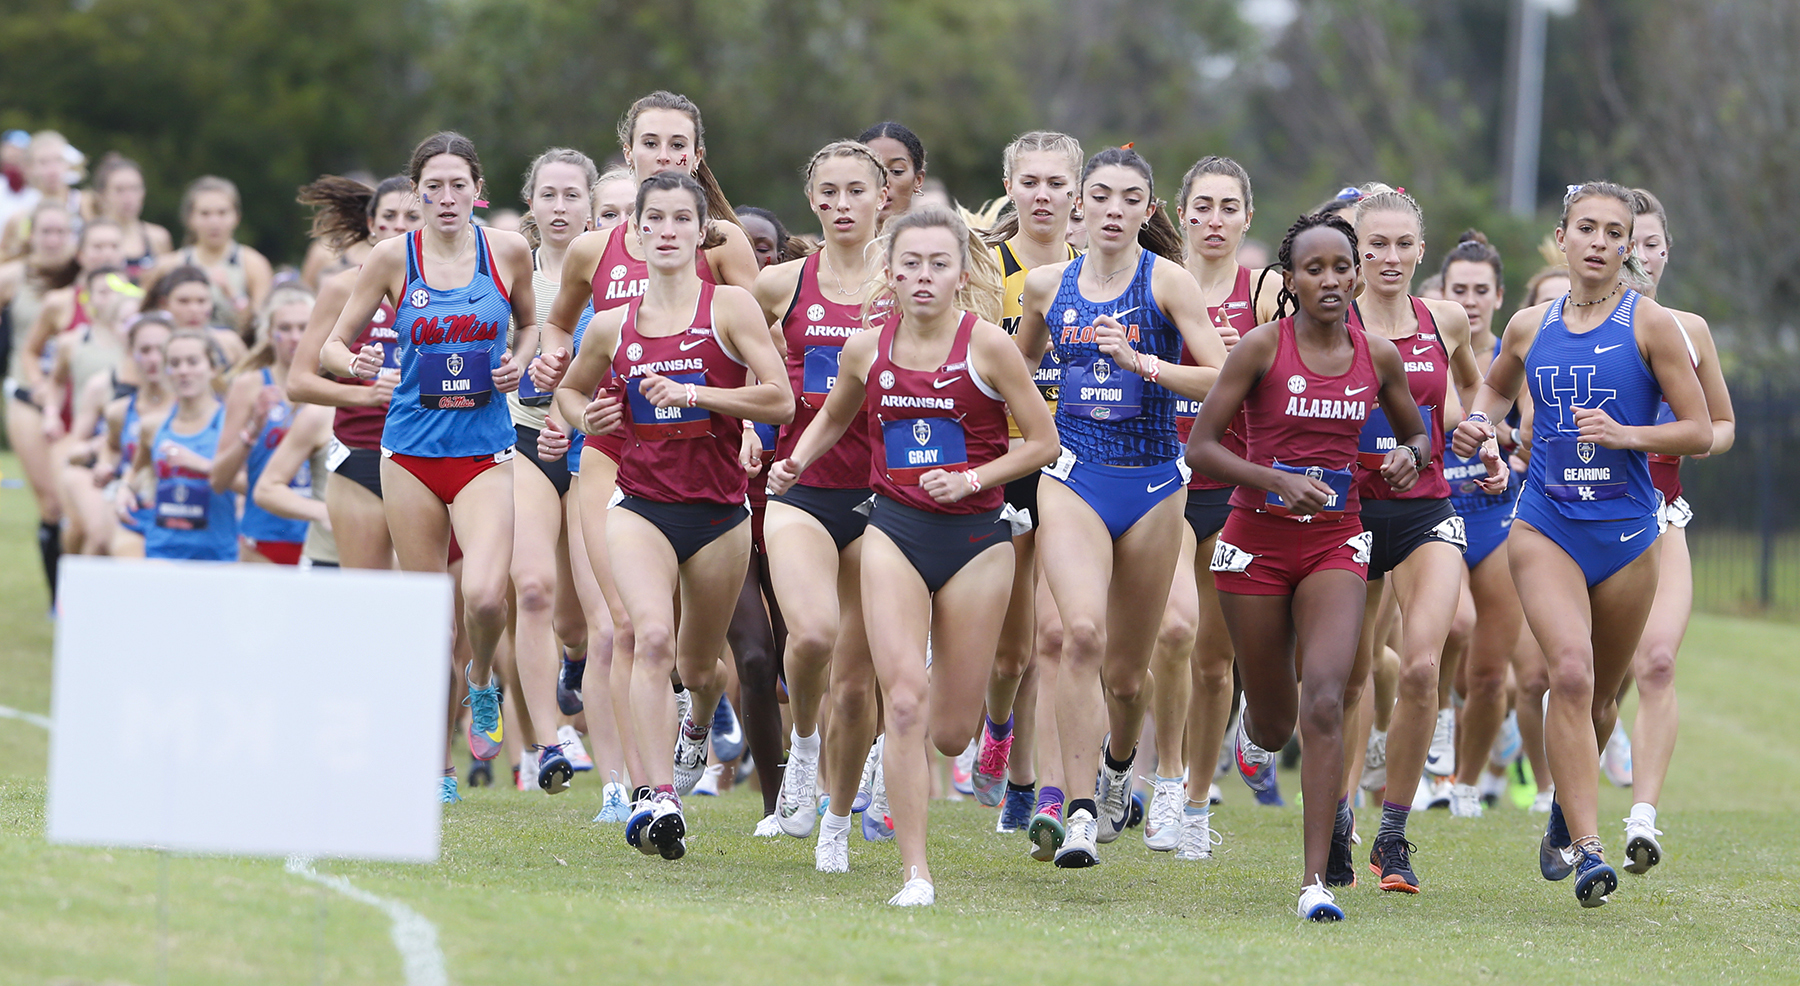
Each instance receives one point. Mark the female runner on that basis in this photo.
(119, 195)
(240, 276)
(185, 293)
(1112, 504)
(257, 417)
(1653, 665)
(813, 528)
(1580, 543)
(940, 382)
(1305, 384)
(904, 154)
(351, 214)
(174, 461)
(1040, 171)
(447, 444)
(23, 284)
(680, 351)
(97, 355)
(47, 169)
(62, 326)
(146, 340)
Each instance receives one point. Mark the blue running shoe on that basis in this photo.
(1594, 879)
(447, 792)
(877, 827)
(1319, 904)
(481, 773)
(568, 685)
(1015, 810)
(641, 815)
(554, 771)
(613, 808)
(1556, 859)
(1136, 817)
(485, 728)
(727, 732)
(1256, 766)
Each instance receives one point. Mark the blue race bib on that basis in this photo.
(530, 395)
(1102, 391)
(182, 502)
(653, 423)
(455, 381)
(1377, 438)
(1337, 479)
(767, 434)
(819, 373)
(1582, 472)
(1186, 410)
(915, 446)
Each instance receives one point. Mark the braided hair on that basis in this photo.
(1284, 257)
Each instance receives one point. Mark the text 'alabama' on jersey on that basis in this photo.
(1599, 369)
(1427, 362)
(816, 329)
(451, 341)
(679, 454)
(942, 418)
(1106, 414)
(1304, 422)
(1237, 313)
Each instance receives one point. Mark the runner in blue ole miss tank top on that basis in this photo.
(1112, 503)
(189, 519)
(447, 444)
(1598, 362)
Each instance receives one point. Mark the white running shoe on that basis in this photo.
(573, 749)
(1319, 904)
(918, 892)
(797, 806)
(962, 770)
(1163, 822)
(684, 706)
(1440, 758)
(865, 788)
(1492, 787)
(1433, 792)
(1465, 801)
(1509, 743)
(690, 758)
(1615, 760)
(709, 781)
(1374, 775)
(1113, 795)
(1641, 845)
(1213, 795)
(1540, 805)
(768, 828)
(528, 771)
(1078, 848)
(1197, 837)
(832, 853)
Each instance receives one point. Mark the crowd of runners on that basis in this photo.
(1084, 493)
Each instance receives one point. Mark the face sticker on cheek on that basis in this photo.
(1368, 256)
(644, 229)
(427, 198)
(1621, 251)
(899, 278)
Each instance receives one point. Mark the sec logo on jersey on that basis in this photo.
(618, 272)
(1296, 384)
(634, 352)
(887, 379)
(816, 312)
(420, 298)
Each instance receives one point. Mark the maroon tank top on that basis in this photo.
(360, 427)
(920, 420)
(816, 330)
(1427, 362)
(1234, 312)
(678, 454)
(1309, 421)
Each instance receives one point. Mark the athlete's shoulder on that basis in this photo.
(507, 246)
(776, 283)
(1046, 277)
(1447, 314)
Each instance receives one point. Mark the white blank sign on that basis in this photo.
(253, 709)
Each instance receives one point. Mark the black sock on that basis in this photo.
(1026, 788)
(50, 549)
(1118, 765)
(1082, 804)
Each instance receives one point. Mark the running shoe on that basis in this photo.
(574, 749)
(1465, 801)
(525, 775)
(797, 806)
(832, 853)
(1256, 766)
(638, 824)
(1197, 838)
(447, 790)
(553, 770)
(1168, 804)
(1015, 811)
(1641, 845)
(1509, 743)
(1340, 866)
(613, 809)
(481, 773)
(990, 764)
(1391, 858)
(865, 788)
(727, 732)
(768, 828)
(1113, 795)
(962, 770)
(1138, 804)
(1214, 796)
(1374, 775)
(1047, 831)
(1077, 850)
(709, 781)
(690, 755)
(877, 826)
(1440, 757)
(667, 830)
(1556, 857)
(641, 793)
(918, 892)
(1594, 879)
(568, 685)
(485, 728)
(1615, 760)
(1543, 801)
(1319, 904)
(1491, 788)
(1433, 792)
(684, 705)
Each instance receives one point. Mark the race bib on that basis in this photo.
(182, 502)
(765, 434)
(455, 381)
(1229, 557)
(1101, 391)
(653, 423)
(1362, 544)
(530, 395)
(1452, 531)
(1048, 374)
(336, 454)
(1337, 479)
(1378, 439)
(1064, 464)
(915, 446)
(1186, 410)
(1582, 472)
(819, 373)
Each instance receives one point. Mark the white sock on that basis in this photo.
(835, 826)
(807, 746)
(1645, 811)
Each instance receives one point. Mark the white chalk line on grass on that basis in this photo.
(415, 937)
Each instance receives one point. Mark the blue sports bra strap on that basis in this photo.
(481, 254)
(412, 255)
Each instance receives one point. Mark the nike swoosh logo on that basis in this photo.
(1158, 486)
(1607, 349)
(689, 345)
(1126, 311)
(941, 384)
(1417, 350)
(977, 540)
(1352, 393)
(1627, 537)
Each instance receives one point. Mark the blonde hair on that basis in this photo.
(1000, 217)
(262, 348)
(982, 294)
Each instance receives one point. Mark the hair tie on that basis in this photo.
(1127, 145)
(1401, 189)
(481, 203)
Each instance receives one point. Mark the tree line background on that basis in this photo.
(1698, 100)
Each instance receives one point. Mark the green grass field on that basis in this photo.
(529, 892)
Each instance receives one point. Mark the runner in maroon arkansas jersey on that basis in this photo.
(939, 382)
(1290, 562)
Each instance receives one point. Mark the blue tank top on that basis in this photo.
(191, 521)
(451, 340)
(259, 524)
(1109, 415)
(142, 517)
(1597, 369)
